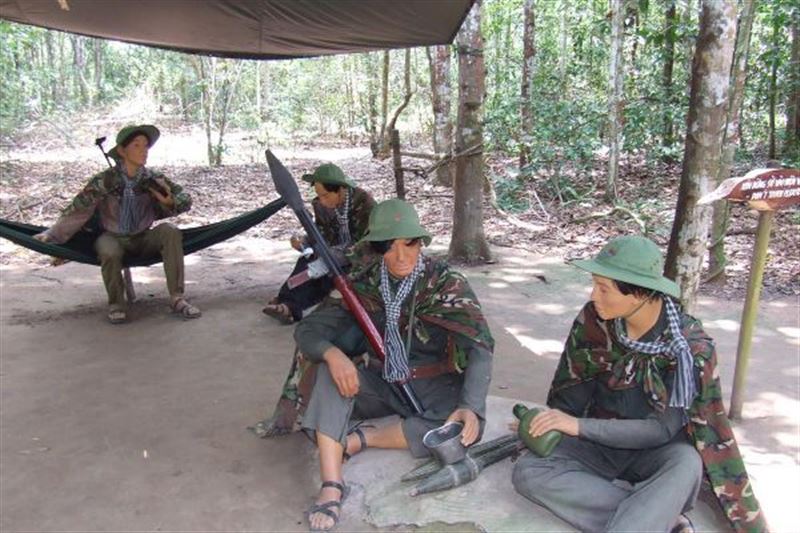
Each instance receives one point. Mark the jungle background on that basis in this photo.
(549, 115)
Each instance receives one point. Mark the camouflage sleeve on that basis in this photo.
(323, 222)
(183, 202)
(79, 210)
(362, 207)
(569, 392)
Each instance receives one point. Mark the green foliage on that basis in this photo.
(333, 96)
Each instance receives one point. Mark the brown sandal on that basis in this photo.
(185, 309)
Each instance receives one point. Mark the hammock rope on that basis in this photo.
(80, 248)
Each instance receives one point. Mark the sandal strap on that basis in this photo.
(335, 485)
(362, 438)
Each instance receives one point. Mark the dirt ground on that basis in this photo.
(142, 426)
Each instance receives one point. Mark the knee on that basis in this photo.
(109, 252)
(530, 476)
(685, 463)
(169, 232)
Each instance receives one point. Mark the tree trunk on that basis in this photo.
(792, 145)
(705, 130)
(79, 65)
(773, 81)
(406, 97)
(670, 24)
(381, 147)
(526, 88)
(372, 104)
(616, 73)
(719, 223)
(55, 91)
(439, 59)
(563, 51)
(468, 243)
(98, 70)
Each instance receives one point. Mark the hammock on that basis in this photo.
(80, 247)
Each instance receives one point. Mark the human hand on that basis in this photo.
(553, 419)
(343, 371)
(297, 242)
(164, 196)
(42, 237)
(471, 424)
(514, 425)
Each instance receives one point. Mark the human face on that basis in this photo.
(329, 199)
(402, 257)
(135, 154)
(609, 302)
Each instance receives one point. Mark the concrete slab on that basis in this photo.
(142, 426)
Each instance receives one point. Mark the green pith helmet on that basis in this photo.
(149, 131)
(631, 259)
(330, 174)
(395, 219)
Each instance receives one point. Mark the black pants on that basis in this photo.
(306, 295)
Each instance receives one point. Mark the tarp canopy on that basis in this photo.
(251, 29)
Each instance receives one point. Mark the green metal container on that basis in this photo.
(543, 445)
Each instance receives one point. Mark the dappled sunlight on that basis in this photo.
(722, 325)
(792, 334)
(547, 348)
(552, 309)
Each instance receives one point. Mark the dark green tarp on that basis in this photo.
(251, 29)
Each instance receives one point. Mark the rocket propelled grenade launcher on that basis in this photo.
(287, 188)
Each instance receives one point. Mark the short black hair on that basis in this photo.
(129, 139)
(636, 290)
(330, 187)
(381, 247)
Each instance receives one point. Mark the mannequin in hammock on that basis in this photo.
(341, 212)
(128, 199)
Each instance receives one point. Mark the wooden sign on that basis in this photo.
(765, 189)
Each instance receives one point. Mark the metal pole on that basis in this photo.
(750, 311)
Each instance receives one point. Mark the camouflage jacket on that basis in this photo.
(441, 298)
(592, 352)
(103, 194)
(361, 204)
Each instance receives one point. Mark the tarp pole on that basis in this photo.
(750, 311)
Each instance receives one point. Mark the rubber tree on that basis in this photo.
(705, 131)
(528, 57)
(441, 98)
(719, 223)
(616, 74)
(468, 242)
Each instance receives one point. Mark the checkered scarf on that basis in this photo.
(129, 215)
(343, 216)
(395, 367)
(683, 387)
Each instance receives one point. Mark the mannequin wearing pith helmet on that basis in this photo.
(341, 212)
(431, 323)
(637, 398)
(128, 199)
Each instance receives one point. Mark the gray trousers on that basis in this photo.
(165, 239)
(576, 483)
(330, 413)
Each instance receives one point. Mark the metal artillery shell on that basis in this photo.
(448, 477)
(429, 467)
(464, 471)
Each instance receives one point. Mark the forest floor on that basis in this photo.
(44, 165)
(142, 426)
